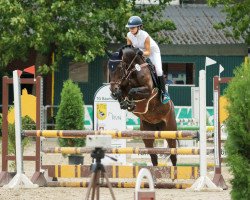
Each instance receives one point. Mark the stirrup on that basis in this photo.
(165, 98)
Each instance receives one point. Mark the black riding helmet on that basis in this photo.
(134, 21)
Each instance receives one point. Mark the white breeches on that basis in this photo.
(156, 60)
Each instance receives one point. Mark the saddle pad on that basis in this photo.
(142, 105)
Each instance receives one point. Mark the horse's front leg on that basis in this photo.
(117, 95)
(139, 93)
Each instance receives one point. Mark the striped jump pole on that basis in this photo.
(113, 133)
(123, 171)
(126, 150)
(120, 184)
(179, 128)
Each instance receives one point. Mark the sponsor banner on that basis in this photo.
(109, 116)
(183, 113)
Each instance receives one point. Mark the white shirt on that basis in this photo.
(138, 41)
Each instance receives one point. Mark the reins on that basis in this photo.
(128, 71)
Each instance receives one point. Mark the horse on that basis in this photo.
(133, 84)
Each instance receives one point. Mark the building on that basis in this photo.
(193, 40)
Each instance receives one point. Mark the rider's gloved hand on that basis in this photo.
(139, 52)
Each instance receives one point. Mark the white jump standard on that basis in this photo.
(20, 180)
(203, 182)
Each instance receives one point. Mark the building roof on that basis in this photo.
(194, 25)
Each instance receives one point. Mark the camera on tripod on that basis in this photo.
(98, 153)
(99, 143)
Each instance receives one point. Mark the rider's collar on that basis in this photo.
(138, 33)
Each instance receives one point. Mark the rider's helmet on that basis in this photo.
(134, 21)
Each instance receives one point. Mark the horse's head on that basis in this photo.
(116, 72)
(122, 65)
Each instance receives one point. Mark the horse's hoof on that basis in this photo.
(131, 108)
(123, 105)
(131, 105)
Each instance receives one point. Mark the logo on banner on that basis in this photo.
(101, 111)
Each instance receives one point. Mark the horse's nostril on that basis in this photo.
(116, 88)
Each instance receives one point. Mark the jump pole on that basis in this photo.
(203, 182)
(20, 180)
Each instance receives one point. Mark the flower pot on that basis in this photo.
(76, 159)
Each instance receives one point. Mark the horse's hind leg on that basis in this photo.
(149, 143)
(172, 144)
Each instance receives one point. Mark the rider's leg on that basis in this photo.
(165, 95)
(156, 60)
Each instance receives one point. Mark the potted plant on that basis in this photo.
(70, 116)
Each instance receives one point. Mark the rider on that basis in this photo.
(148, 48)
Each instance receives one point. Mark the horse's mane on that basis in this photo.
(127, 46)
(127, 49)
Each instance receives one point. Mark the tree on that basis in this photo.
(237, 17)
(70, 115)
(77, 29)
(238, 127)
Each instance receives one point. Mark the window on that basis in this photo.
(179, 73)
(79, 72)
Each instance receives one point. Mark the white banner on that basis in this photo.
(109, 116)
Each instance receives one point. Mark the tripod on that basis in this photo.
(97, 170)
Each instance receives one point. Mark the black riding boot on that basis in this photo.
(164, 94)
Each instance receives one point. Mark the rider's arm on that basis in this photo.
(147, 47)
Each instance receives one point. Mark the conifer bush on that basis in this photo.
(70, 115)
(238, 127)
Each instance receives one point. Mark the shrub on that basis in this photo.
(238, 127)
(27, 124)
(70, 115)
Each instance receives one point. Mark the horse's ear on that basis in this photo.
(120, 53)
(108, 53)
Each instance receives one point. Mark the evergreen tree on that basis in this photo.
(70, 115)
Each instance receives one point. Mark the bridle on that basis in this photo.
(127, 71)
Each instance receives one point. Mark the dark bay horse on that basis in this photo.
(132, 85)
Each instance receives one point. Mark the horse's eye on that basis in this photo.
(112, 65)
